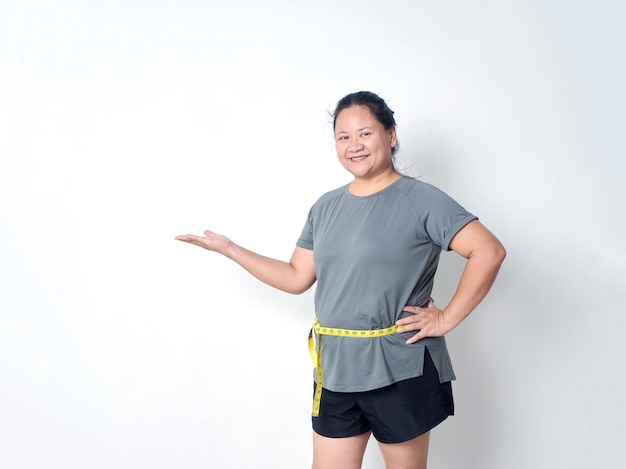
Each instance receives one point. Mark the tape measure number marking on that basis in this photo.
(316, 353)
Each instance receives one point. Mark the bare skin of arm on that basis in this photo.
(295, 276)
(484, 254)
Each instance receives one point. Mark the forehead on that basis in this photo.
(355, 116)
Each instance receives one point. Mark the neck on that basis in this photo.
(362, 187)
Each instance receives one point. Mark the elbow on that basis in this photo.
(492, 254)
(294, 289)
(300, 288)
(499, 254)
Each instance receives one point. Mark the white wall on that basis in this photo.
(125, 123)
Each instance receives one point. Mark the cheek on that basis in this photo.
(386, 144)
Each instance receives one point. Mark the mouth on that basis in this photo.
(357, 159)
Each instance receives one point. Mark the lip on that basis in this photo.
(357, 159)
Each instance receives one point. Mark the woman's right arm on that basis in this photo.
(295, 276)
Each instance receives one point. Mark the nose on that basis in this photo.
(355, 145)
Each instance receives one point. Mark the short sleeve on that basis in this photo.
(306, 237)
(445, 218)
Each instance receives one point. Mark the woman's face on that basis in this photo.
(363, 145)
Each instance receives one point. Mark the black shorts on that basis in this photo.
(396, 413)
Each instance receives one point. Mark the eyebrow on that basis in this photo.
(358, 130)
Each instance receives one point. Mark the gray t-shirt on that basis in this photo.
(374, 255)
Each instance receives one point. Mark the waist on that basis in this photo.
(356, 333)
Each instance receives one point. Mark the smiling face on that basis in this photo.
(364, 146)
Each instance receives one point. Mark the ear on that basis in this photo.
(392, 137)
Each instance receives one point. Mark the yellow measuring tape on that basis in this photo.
(316, 354)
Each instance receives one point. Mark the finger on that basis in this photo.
(408, 320)
(190, 239)
(417, 314)
(411, 309)
(408, 327)
(415, 338)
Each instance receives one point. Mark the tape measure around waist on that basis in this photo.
(316, 353)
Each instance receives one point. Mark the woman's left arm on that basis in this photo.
(484, 254)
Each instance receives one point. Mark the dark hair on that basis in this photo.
(377, 106)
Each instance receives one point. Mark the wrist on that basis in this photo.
(447, 321)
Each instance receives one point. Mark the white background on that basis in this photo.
(126, 123)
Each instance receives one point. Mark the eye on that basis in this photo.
(366, 134)
(342, 137)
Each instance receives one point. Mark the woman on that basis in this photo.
(373, 246)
